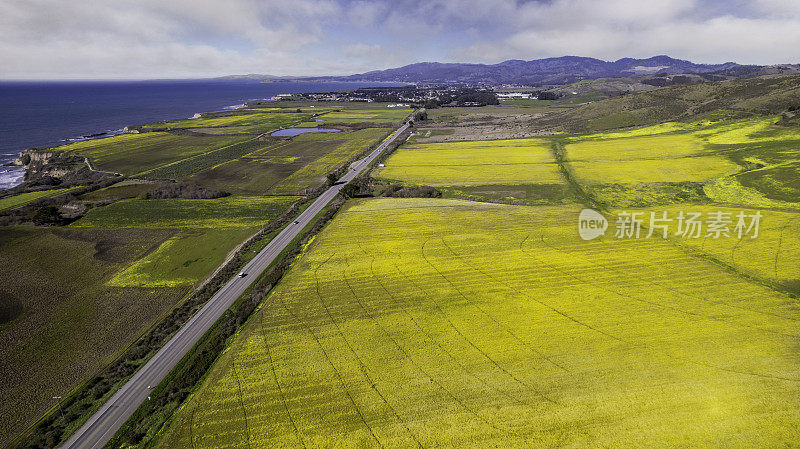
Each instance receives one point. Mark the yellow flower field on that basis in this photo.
(510, 161)
(698, 169)
(435, 323)
(649, 147)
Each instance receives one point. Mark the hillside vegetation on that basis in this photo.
(735, 98)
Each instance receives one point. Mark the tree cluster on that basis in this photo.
(182, 190)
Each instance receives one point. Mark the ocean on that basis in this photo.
(46, 114)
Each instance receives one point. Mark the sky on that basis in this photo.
(146, 39)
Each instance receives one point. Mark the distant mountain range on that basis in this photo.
(565, 69)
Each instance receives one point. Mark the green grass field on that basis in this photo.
(440, 323)
(243, 120)
(130, 154)
(208, 231)
(382, 115)
(354, 144)
(59, 321)
(220, 213)
(258, 172)
(22, 199)
(185, 259)
(740, 97)
(288, 167)
(510, 161)
(119, 191)
(188, 166)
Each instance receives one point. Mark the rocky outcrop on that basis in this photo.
(33, 156)
(53, 168)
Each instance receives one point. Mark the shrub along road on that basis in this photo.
(110, 417)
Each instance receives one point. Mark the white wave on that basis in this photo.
(11, 176)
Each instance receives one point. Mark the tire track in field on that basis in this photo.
(191, 424)
(778, 249)
(467, 340)
(645, 345)
(489, 315)
(241, 402)
(706, 257)
(362, 368)
(455, 328)
(277, 382)
(424, 372)
(434, 341)
(644, 301)
(730, 267)
(362, 365)
(335, 370)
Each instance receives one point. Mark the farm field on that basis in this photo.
(661, 158)
(119, 191)
(184, 260)
(426, 133)
(289, 167)
(414, 322)
(509, 161)
(22, 199)
(313, 174)
(485, 123)
(691, 169)
(130, 154)
(56, 317)
(188, 166)
(244, 120)
(220, 213)
(207, 231)
(150, 253)
(258, 172)
(648, 147)
(729, 190)
(129, 263)
(749, 160)
(348, 116)
(774, 255)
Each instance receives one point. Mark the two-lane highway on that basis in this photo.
(99, 429)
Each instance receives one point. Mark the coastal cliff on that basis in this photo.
(53, 168)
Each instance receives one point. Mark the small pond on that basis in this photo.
(290, 132)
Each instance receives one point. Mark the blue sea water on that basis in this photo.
(46, 114)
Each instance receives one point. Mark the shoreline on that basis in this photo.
(44, 116)
(13, 175)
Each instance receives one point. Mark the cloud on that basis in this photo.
(193, 38)
(626, 28)
(361, 50)
(152, 38)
